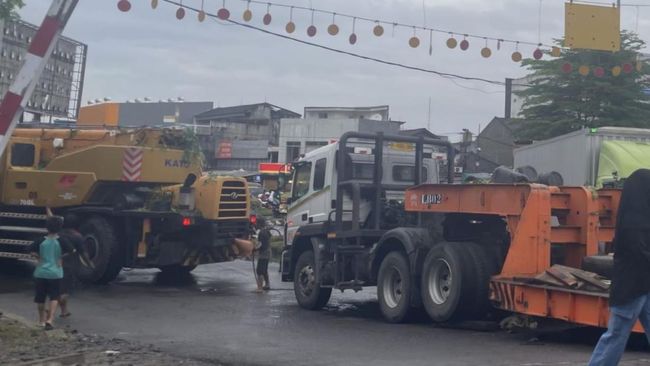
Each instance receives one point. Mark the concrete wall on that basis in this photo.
(497, 144)
(374, 113)
(146, 114)
(251, 130)
(309, 133)
(141, 114)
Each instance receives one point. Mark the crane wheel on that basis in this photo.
(306, 287)
(103, 250)
(394, 289)
(449, 283)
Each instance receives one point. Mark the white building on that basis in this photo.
(324, 125)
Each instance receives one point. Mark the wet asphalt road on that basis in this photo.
(214, 314)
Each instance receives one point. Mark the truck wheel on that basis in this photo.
(394, 287)
(103, 250)
(447, 282)
(308, 292)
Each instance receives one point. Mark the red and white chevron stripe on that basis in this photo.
(14, 101)
(132, 164)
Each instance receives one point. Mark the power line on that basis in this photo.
(353, 54)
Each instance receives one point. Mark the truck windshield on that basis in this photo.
(301, 181)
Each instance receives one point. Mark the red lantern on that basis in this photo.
(353, 36)
(464, 45)
(311, 30)
(628, 68)
(180, 13)
(124, 5)
(599, 72)
(567, 68)
(223, 14)
(267, 17)
(537, 54)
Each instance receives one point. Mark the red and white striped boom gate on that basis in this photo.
(13, 103)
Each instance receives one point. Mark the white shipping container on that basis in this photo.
(575, 155)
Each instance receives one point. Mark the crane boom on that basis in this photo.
(38, 54)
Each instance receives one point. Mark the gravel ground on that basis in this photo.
(25, 344)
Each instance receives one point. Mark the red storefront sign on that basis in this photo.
(224, 150)
(274, 168)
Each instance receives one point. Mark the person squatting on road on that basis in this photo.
(629, 297)
(49, 270)
(71, 261)
(264, 255)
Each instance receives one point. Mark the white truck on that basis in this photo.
(347, 228)
(592, 156)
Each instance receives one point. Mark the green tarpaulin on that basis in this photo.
(622, 157)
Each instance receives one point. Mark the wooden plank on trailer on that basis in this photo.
(562, 275)
(588, 277)
(546, 279)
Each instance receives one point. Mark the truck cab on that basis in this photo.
(315, 175)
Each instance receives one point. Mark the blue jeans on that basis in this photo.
(622, 318)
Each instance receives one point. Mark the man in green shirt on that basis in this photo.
(49, 271)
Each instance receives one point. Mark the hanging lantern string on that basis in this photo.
(445, 75)
(396, 24)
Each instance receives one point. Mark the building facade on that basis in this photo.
(241, 137)
(324, 125)
(139, 113)
(493, 147)
(58, 91)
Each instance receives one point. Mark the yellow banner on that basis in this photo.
(592, 27)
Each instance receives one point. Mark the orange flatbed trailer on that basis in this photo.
(571, 221)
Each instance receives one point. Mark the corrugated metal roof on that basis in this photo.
(243, 111)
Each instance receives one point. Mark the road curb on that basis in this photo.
(55, 333)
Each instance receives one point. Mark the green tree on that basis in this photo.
(8, 9)
(557, 102)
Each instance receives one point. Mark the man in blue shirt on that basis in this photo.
(49, 271)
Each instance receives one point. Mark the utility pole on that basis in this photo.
(429, 116)
(508, 112)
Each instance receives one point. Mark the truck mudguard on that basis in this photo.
(410, 240)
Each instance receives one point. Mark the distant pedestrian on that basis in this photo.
(264, 255)
(71, 260)
(49, 271)
(629, 297)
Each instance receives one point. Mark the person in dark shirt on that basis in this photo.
(71, 260)
(264, 255)
(629, 297)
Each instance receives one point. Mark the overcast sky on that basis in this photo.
(149, 53)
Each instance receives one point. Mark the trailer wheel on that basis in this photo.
(308, 292)
(480, 271)
(103, 250)
(394, 289)
(447, 282)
